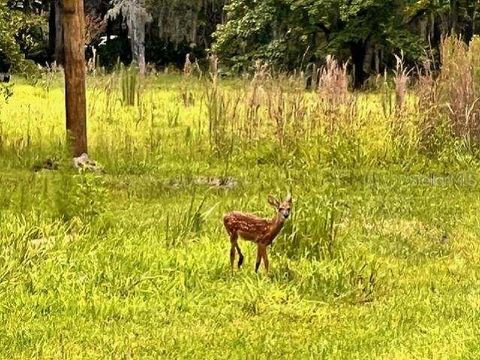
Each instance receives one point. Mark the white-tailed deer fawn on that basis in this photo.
(253, 228)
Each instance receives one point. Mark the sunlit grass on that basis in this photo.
(378, 261)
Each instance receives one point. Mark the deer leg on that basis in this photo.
(232, 256)
(259, 257)
(265, 258)
(233, 242)
(240, 255)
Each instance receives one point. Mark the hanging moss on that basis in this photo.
(136, 18)
(190, 22)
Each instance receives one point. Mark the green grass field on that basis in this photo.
(380, 259)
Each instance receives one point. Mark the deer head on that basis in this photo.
(283, 208)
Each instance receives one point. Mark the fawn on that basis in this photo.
(253, 228)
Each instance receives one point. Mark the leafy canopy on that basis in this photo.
(284, 32)
(15, 29)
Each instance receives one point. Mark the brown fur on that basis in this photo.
(258, 230)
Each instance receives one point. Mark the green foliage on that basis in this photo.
(254, 30)
(14, 31)
(382, 23)
(288, 33)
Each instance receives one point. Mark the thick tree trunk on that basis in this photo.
(358, 52)
(74, 64)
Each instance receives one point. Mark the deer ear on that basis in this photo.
(274, 202)
(289, 198)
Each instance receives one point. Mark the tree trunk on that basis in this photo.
(476, 19)
(454, 10)
(51, 31)
(59, 51)
(470, 23)
(358, 52)
(377, 60)
(423, 28)
(74, 63)
(368, 60)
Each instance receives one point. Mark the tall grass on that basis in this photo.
(377, 261)
(457, 86)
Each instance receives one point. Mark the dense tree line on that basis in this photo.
(286, 33)
(368, 32)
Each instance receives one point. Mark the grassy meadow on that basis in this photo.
(380, 259)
